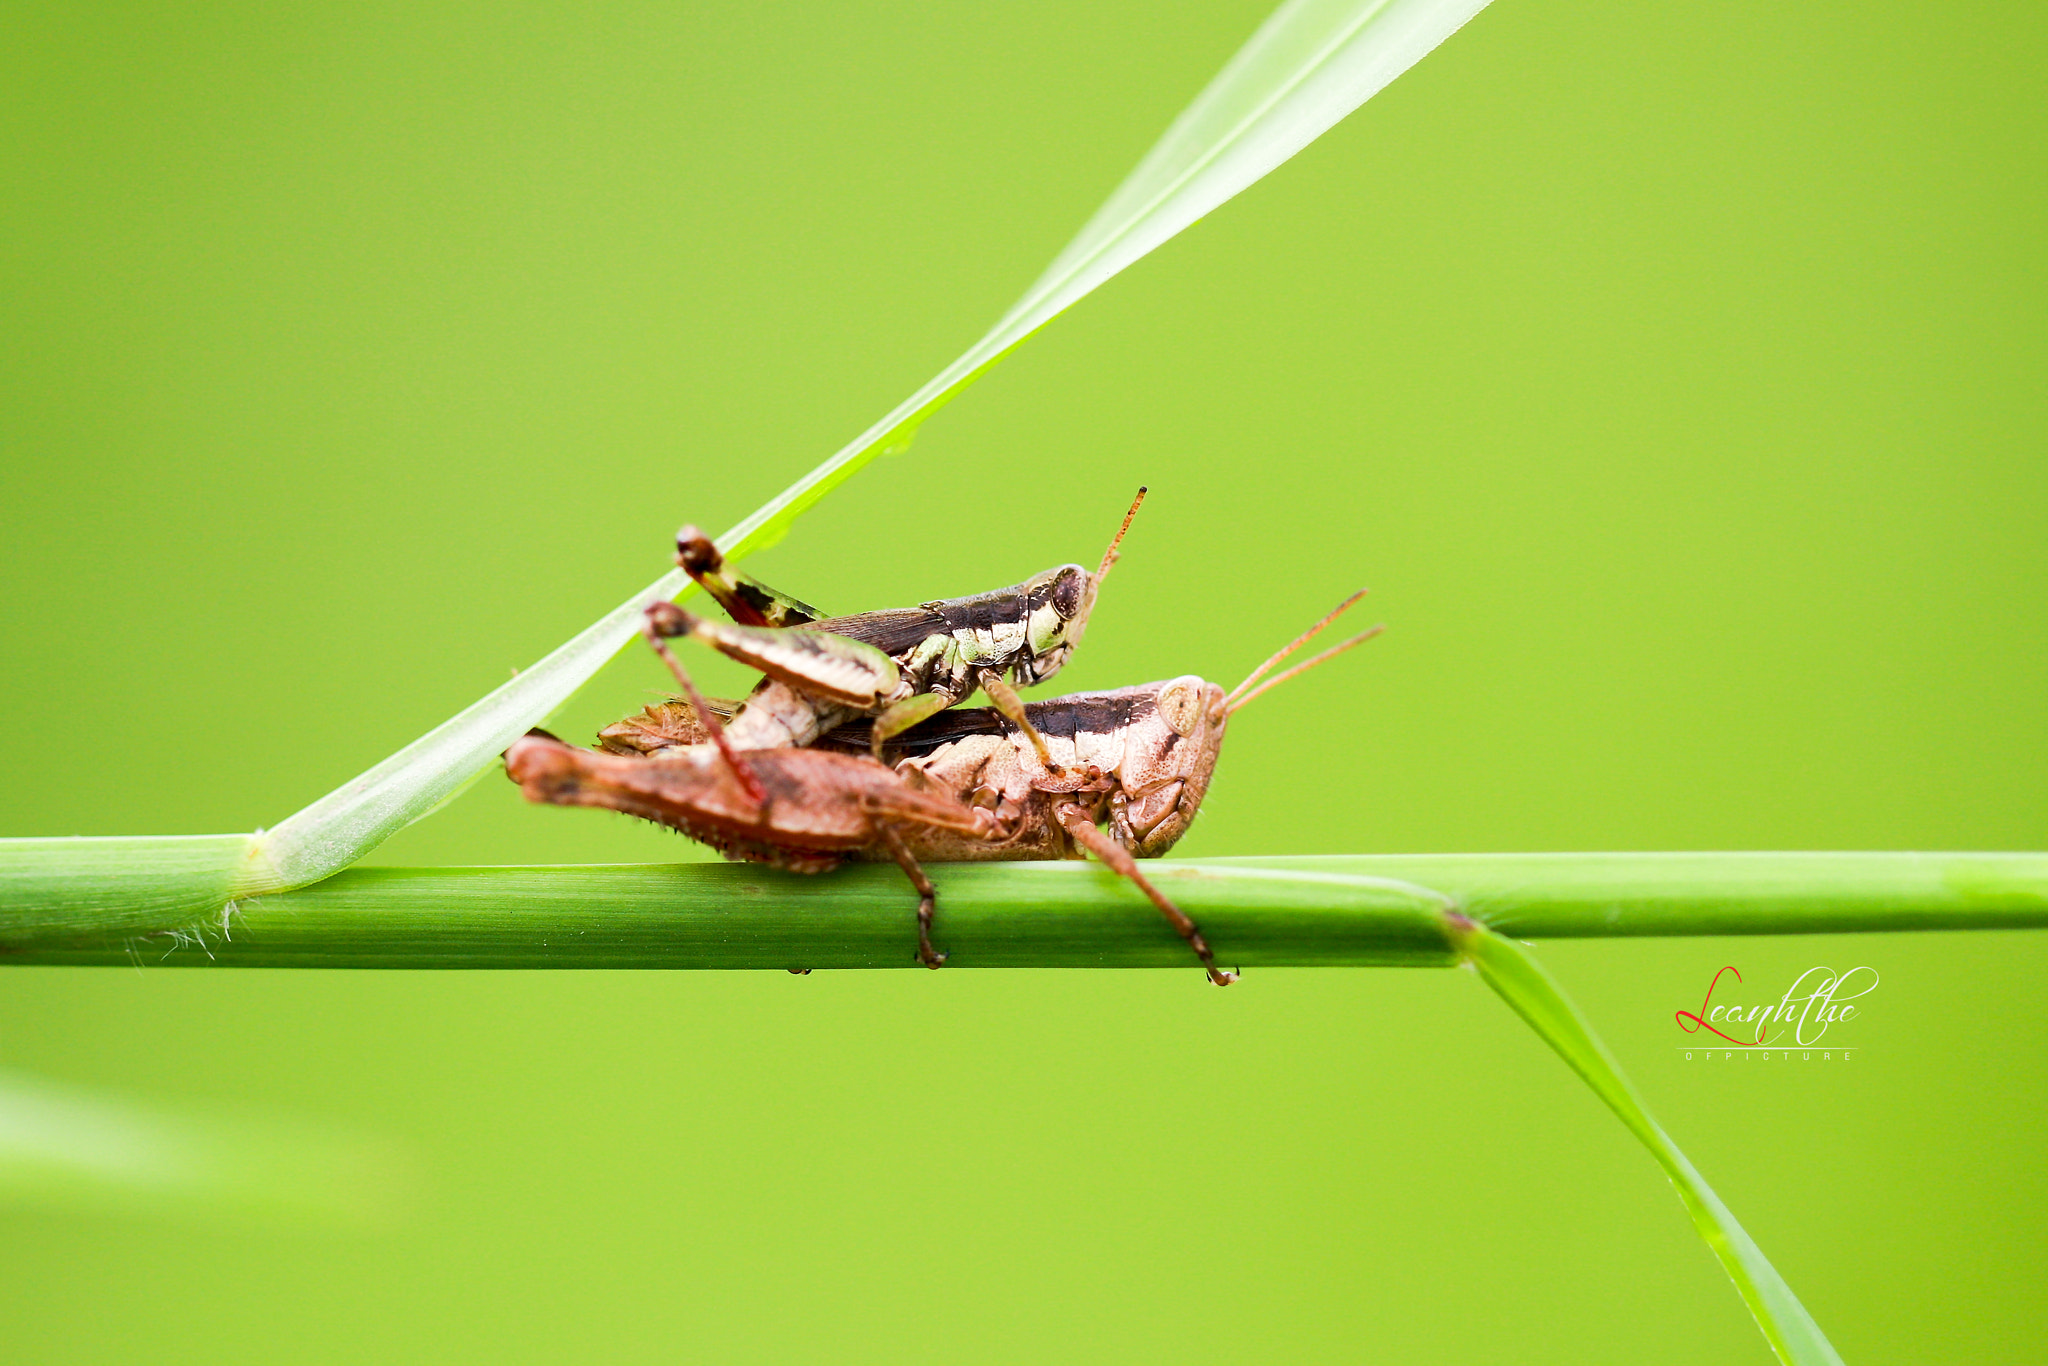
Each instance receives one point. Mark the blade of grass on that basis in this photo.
(1310, 64)
(71, 1147)
(1520, 980)
(1598, 896)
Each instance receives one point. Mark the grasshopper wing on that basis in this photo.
(924, 737)
(892, 630)
(663, 725)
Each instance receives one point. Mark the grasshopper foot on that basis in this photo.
(1222, 977)
(926, 954)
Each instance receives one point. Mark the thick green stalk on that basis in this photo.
(1395, 910)
(1329, 911)
(122, 884)
(726, 916)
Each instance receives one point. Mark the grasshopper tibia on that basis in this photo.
(1118, 860)
(667, 619)
(927, 895)
(747, 601)
(1012, 708)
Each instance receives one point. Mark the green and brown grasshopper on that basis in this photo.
(899, 666)
(965, 787)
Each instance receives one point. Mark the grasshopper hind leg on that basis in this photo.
(746, 600)
(1118, 859)
(663, 619)
(927, 895)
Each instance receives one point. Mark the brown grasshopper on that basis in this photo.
(964, 788)
(900, 665)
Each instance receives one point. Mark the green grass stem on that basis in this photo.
(1268, 912)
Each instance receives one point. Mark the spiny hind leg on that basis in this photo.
(927, 895)
(664, 619)
(746, 600)
(1119, 860)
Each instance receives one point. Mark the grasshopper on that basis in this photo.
(899, 665)
(963, 788)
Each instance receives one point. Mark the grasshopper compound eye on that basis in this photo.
(1069, 590)
(1181, 705)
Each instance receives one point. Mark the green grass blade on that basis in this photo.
(1310, 64)
(1608, 895)
(70, 1147)
(353, 819)
(1512, 972)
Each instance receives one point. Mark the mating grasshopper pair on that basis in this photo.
(793, 778)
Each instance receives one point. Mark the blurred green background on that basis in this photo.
(1672, 373)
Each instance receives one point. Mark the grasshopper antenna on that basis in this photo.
(1109, 555)
(662, 615)
(1235, 704)
(1295, 644)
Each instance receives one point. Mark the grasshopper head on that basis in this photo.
(1059, 603)
(1170, 751)
(1169, 755)
(1056, 612)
